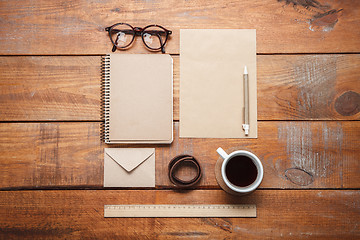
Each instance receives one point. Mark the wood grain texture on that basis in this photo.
(55, 154)
(49, 88)
(309, 87)
(290, 87)
(77, 27)
(79, 214)
(40, 162)
(295, 155)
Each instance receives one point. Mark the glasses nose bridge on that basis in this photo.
(138, 30)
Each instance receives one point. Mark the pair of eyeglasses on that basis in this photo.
(154, 37)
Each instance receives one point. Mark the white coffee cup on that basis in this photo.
(246, 183)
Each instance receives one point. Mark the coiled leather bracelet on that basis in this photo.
(176, 162)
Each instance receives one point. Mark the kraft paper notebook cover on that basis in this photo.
(138, 98)
(212, 64)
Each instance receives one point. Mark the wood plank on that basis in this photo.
(63, 27)
(290, 87)
(50, 88)
(295, 155)
(309, 87)
(51, 154)
(67, 214)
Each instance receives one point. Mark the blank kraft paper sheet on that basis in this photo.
(212, 64)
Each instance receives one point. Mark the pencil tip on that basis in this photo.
(245, 70)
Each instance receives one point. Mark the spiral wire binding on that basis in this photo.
(105, 97)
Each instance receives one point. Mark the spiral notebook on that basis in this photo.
(138, 98)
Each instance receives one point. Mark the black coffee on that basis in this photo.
(241, 171)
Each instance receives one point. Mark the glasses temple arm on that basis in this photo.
(119, 30)
(161, 43)
(152, 32)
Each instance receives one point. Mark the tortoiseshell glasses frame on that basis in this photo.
(122, 36)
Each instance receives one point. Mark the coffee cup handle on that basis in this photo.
(222, 153)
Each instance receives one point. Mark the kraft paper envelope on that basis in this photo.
(129, 167)
(212, 64)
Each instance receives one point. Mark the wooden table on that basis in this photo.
(51, 156)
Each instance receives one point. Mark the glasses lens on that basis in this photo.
(122, 35)
(154, 37)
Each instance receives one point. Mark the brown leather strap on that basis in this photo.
(176, 162)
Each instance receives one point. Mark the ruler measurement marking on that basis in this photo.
(167, 210)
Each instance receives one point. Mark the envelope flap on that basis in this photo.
(129, 158)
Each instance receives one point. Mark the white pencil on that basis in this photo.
(246, 125)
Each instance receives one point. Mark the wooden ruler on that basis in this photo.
(165, 210)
